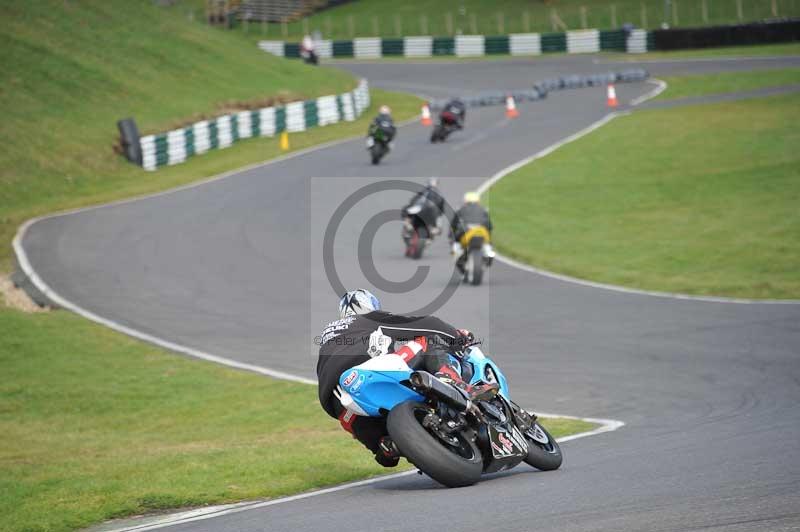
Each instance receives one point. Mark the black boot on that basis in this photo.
(388, 454)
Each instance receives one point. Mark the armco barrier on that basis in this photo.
(176, 146)
(574, 42)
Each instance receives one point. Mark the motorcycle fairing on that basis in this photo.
(376, 385)
(484, 370)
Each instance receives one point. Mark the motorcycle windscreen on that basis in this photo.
(484, 370)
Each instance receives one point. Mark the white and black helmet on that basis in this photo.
(358, 302)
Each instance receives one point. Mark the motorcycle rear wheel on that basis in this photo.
(542, 456)
(474, 267)
(449, 465)
(377, 153)
(437, 134)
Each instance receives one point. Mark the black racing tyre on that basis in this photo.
(544, 452)
(476, 257)
(419, 248)
(451, 466)
(376, 153)
(438, 134)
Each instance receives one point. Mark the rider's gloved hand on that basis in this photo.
(465, 338)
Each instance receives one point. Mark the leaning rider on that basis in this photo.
(454, 111)
(363, 330)
(433, 204)
(384, 122)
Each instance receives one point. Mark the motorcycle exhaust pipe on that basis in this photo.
(427, 384)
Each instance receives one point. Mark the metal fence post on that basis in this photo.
(448, 22)
(584, 23)
(501, 23)
(675, 21)
(614, 16)
(473, 24)
(644, 15)
(376, 29)
(526, 21)
(739, 13)
(398, 25)
(351, 26)
(423, 24)
(704, 10)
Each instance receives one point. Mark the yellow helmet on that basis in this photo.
(472, 197)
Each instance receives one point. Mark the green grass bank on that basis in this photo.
(727, 82)
(371, 18)
(697, 199)
(71, 70)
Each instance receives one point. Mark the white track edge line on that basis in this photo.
(210, 512)
(661, 86)
(486, 185)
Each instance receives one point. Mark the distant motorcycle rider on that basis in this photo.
(454, 112)
(363, 331)
(471, 213)
(384, 122)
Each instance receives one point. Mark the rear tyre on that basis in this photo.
(475, 267)
(543, 451)
(436, 135)
(376, 153)
(453, 466)
(422, 236)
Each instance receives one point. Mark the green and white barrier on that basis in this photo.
(176, 146)
(573, 42)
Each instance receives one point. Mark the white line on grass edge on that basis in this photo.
(660, 87)
(210, 512)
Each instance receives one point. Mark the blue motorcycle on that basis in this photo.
(436, 426)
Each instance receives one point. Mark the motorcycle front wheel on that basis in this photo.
(453, 464)
(544, 452)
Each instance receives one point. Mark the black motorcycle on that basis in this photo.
(378, 142)
(448, 123)
(419, 226)
(309, 56)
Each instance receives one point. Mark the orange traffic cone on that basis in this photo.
(426, 115)
(612, 96)
(511, 107)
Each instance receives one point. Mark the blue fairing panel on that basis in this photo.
(374, 391)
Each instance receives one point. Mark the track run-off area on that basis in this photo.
(233, 268)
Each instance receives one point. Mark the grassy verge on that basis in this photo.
(368, 18)
(700, 199)
(724, 82)
(96, 425)
(727, 51)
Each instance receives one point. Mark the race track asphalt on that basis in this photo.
(709, 391)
